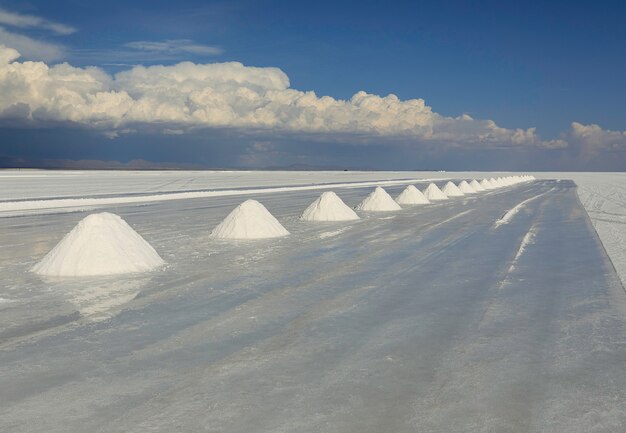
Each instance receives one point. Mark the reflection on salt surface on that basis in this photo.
(97, 298)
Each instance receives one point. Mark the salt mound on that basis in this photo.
(433, 193)
(466, 188)
(379, 201)
(328, 207)
(451, 190)
(249, 220)
(100, 244)
(494, 183)
(486, 184)
(477, 186)
(411, 195)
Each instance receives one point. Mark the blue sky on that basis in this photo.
(518, 64)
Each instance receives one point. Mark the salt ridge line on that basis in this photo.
(528, 239)
(17, 208)
(508, 216)
(447, 220)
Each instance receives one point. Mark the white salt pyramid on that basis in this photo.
(249, 220)
(477, 186)
(100, 244)
(411, 195)
(328, 207)
(466, 188)
(378, 201)
(451, 190)
(485, 183)
(494, 183)
(433, 193)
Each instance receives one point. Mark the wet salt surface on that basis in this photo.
(432, 321)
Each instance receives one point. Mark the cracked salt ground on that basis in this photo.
(431, 330)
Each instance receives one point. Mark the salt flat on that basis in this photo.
(434, 318)
(27, 184)
(604, 198)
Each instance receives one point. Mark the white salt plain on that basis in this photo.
(353, 328)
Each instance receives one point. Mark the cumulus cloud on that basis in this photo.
(188, 96)
(33, 22)
(592, 139)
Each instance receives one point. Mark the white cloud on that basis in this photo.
(32, 48)
(33, 22)
(29, 47)
(595, 136)
(190, 96)
(592, 139)
(174, 46)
